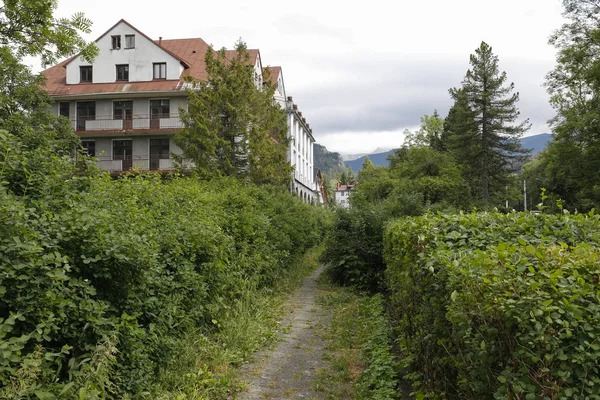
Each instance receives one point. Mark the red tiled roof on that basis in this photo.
(190, 52)
(252, 53)
(348, 186)
(274, 73)
(193, 51)
(56, 84)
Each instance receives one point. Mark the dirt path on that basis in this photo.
(289, 371)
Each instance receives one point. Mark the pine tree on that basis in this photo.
(481, 128)
(232, 127)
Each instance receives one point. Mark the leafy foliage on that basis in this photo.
(569, 167)
(103, 280)
(28, 28)
(353, 247)
(497, 306)
(418, 179)
(430, 134)
(232, 127)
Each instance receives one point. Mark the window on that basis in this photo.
(160, 70)
(86, 111)
(116, 42)
(123, 72)
(159, 109)
(130, 41)
(63, 108)
(123, 150)
(89, 146)
(159, 150)
(123, 110)
(85, 73)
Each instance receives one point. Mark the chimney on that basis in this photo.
(159, 39)
(295, 107)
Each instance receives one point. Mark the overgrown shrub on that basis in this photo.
(101, 280)
(353, 248)
(493, 306)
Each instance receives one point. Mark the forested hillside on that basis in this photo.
(328, 162)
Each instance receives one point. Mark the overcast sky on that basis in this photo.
(363, 73)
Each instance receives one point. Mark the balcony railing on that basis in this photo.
(135, 122)
(139, 163)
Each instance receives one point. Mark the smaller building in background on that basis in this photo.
(343, 192)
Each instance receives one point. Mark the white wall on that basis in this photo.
(140, 59)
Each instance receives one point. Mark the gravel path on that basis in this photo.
(289, 371)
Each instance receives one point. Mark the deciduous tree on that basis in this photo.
(571, 163)
(35, 143)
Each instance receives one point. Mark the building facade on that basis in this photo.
(342, 194)
(125, 106)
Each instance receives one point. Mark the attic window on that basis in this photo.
(123, 72)
(85, 73)
(116, 42)
(160, 70)
(130, 41)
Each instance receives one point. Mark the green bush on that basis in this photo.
(102, 280)
(492, 306)
(353, 247)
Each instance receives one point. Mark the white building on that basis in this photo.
(342, 194)
(300, 153)
(125, 105)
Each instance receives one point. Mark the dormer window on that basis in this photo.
(130, 41)
(116, 42)
(85, 73)
(123, 72)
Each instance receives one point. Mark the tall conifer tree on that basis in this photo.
(232, 127)
(481, 127)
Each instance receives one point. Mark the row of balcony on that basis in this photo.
(134, 122)
(139, 163)
(305, 180)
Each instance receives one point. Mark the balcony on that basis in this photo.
(139, 163)
(133, 123)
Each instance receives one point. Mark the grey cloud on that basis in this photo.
(391, 92)
(295, 25)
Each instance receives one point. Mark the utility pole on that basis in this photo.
(525, 194)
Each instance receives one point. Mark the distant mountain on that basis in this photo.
(536, 143)
(376, 159)
(352, 157)
(327, 161)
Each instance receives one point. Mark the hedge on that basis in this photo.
(494, 306)
(100, 283)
